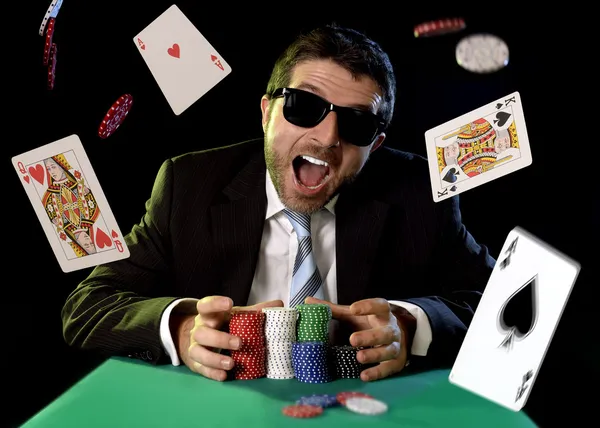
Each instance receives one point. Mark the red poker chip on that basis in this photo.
(439, 27)
(343, 396)
(115, 116)
(52, 67)
(247, 316)
(48, 44)
(302, 411)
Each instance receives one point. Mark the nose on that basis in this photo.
(326, 132)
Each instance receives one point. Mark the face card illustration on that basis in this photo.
(477, 147)
(70, 204)
(515, 321)
(184, 64)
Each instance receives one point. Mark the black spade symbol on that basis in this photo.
(499, 105)
(519, 313)
(453, 188)
(501, 118)
(450, 176)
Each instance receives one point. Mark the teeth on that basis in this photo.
(314, 160)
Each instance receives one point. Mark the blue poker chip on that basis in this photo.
(321, 400)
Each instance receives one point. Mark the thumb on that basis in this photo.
(269, 304)
(337, 311)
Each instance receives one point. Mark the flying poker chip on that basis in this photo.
(366, 406)
(52, 67)
(56, 9)
(482, 53)
(48, 44)
(439, 27)
(47, 16)
(115, 116)
(302, 411)
(342, 397)
(319, 400)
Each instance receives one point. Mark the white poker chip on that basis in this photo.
(482, 53)
(47, 16)
(366, 406)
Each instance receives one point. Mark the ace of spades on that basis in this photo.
(514, 323)
(518, 315)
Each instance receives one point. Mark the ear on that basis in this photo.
(378, 142)
(264, 107)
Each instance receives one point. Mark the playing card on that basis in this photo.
(184, 64)
(70, 204)
(515, 321)
(478, 147)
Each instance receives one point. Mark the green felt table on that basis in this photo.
(129, 393)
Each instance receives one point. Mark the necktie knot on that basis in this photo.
(300, 222)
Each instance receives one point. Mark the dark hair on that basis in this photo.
(348, 48)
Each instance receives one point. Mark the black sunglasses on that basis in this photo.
(305, 109)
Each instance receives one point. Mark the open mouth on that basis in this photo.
(310, 173)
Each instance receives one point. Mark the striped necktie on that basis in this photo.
(306, 279)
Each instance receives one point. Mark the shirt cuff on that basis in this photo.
(423, 335)
(165, 331)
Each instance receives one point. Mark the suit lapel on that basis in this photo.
(237, 226)
(359, 223)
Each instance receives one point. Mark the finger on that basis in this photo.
(213, 304)
(383, 370)
(210, 359)
(375, 306)
(338, 312)
(260, 306)
(383, 335)
(379, 354)
(209, 372)
(206, 336)
(257, 307)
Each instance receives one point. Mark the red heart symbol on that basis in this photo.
(114, 234)
(102, 239)
(174, 51)
(37, 173)
(26, 178)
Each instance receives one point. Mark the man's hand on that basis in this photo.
(199, 339)
(375, 325)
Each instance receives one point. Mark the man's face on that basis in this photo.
(285, 143)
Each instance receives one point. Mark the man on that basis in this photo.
(227, 226)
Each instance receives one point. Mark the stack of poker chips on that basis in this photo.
(343, 363)
(249, 359)
(280, 334)
(310, 351)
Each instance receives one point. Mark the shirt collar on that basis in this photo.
(274, 204)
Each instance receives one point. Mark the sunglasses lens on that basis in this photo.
(303, 109)
(306, 110)
(356, 127)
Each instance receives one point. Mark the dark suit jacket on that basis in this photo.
(201, 236)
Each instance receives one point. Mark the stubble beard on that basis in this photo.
(277, 166)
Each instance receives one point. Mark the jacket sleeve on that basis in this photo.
(113, 310)
(461, 272)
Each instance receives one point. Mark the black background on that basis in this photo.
(98, 62)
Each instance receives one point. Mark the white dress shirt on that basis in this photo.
(273, 275)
